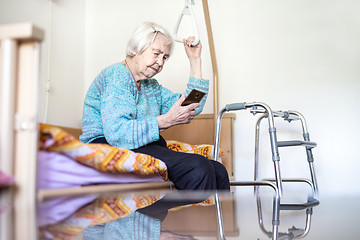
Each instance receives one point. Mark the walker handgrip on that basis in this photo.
(235, 106)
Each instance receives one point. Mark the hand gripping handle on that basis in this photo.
(187, 10)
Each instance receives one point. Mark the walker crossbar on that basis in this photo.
(296, 143)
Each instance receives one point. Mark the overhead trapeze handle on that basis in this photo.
(187, 10)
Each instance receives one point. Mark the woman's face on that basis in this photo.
(152, 60)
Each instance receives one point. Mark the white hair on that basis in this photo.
(143, 36)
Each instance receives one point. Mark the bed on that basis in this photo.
(20, 131)
(180, 138)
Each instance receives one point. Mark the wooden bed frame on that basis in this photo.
(20, 57)
(20, 63)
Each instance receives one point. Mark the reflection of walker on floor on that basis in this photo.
(276, 183)
(293, 232)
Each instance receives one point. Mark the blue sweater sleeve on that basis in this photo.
(201, 85)
(169, 98)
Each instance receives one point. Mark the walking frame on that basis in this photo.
(275, 184)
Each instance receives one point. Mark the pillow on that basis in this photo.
(205, 150)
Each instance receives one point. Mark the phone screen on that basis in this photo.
(194, 96)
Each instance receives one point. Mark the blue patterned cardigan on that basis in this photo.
(115, 109)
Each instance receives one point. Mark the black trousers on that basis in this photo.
(186, 171)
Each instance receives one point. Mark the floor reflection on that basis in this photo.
(169, 215)
(66, 217)
(122, 216)
(295, 232)
(155, 214)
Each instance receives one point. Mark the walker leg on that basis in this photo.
(310, 159)
(221, 232)
(275, 158)
(276, 218)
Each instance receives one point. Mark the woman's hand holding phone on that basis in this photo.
(178, 114)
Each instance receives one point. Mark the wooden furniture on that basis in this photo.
(20, 61)
(203, 220)
(201, 130)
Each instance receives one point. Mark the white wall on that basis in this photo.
(299, 55)
(62, 53)
(67, 62)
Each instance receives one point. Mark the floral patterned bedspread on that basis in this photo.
(106, 158)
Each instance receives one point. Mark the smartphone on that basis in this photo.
(194, 96)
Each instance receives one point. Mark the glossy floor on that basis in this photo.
(164, 216)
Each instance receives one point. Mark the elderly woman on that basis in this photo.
(127, 108)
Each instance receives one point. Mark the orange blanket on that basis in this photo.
(106, 158)
(102, 157)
